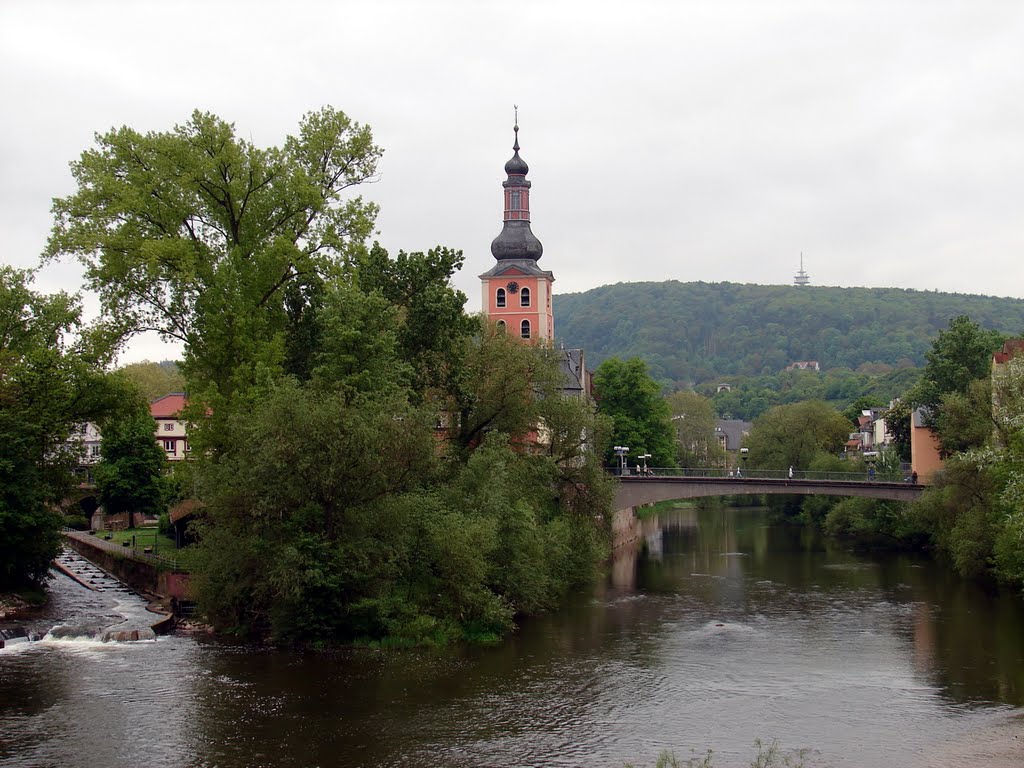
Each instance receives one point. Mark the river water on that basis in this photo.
(721, 629)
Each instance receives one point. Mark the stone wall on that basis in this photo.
(138, 574)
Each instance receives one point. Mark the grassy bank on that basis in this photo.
(138, 539)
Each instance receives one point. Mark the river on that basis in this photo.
(720, 630)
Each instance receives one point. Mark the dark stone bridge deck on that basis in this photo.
(636, 491)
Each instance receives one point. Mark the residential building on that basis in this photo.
(171, 431)
(925, 457)
(89, 441)
(730, 434)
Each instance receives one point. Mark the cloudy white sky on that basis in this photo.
(712, 140)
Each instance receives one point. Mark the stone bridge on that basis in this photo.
(636, 491)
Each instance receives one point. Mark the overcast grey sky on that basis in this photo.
(677, 140)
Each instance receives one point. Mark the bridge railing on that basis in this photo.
(756, 474)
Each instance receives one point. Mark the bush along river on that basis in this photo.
(718, 629)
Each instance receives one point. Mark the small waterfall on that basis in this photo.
(105, 611)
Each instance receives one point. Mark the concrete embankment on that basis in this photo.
(161, 586)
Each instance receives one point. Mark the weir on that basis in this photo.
(105, 611)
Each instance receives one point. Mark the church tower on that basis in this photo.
(516, 292)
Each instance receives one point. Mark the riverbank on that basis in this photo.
(13, 603)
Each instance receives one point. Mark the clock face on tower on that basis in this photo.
(512, 287)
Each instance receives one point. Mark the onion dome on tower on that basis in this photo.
(516, 240)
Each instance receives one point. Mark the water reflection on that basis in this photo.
(717, 629)
(968, 639)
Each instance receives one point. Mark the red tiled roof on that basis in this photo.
(168, 406)
(1011, 348)
(185, 509)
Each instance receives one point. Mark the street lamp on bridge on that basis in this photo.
(621, 451)
(644, 457)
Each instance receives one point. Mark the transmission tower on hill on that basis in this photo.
(802, 278)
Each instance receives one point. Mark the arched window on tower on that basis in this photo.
(515, 201)
(500, 298)
(524, 329)
(524, 297)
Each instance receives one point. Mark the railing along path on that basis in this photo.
(111, 546)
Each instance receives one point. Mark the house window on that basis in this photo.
(94, 451)
(501, 326)
(500, 299)
(524, 297)
(169, 446)
(524, 329)
(168, 426)
(187, 447)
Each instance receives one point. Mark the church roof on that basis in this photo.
(517, 267)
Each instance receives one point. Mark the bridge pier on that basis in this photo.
(625, 527)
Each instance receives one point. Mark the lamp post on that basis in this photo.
(743, 456)
(644, 457)
(621, 451)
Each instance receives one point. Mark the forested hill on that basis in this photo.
(695, 332)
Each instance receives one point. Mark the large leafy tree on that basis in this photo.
(197, 233)
(130, 474)
(499, 384)
(641, 418)
(433, 324)
(336, 517)
(954, 387)
(960, 355)
(51, 380)
(795, 435)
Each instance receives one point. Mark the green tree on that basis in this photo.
(963, 420)
(693, 417)
(197, 233)
(51, 380)
(954, 385)
(433, 324)
(640, 415)
(897, 424)
(129, 476)
(960, 355)
(794, 435)
(500, 383)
